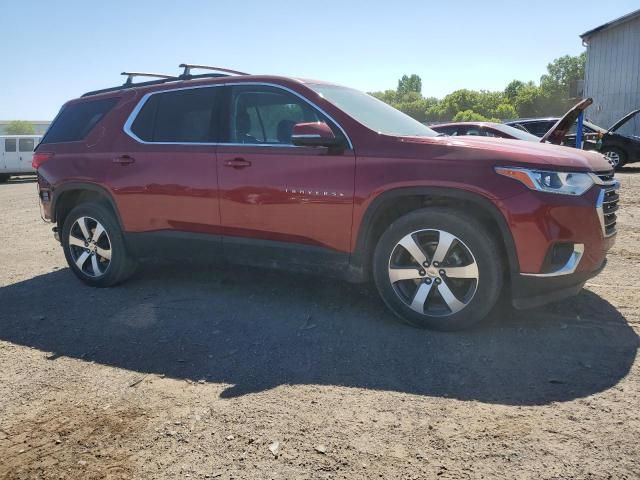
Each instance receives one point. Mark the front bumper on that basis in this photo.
(530, 291)
(561, 242)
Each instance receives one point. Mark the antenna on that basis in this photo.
(188, 67)
(132, 75)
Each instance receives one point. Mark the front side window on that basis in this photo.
(10, 145)
(26, 144)
(180, 116)
(266, 115)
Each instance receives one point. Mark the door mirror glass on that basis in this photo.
(313, 134)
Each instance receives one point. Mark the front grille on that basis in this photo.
(607, 205)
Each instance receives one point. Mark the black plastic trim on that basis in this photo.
(239, 251)
(58, 190)
(528, 292)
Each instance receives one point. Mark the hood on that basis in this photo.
(508, 152)
(556, 134)
(623, 120)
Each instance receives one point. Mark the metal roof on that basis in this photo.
(612, 23)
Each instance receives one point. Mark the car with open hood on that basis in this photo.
(618, 146)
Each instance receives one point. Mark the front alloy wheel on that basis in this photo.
(433, 272)
(439, 268)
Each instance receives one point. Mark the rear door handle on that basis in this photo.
(124, 160)
(237, 163)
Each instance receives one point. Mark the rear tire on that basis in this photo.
(94, 246)
(616, 156)
(4, 178)
(438, 269)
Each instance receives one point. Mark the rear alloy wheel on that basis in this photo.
(438, 269)
(90, 247)
(616, 157)
(94, 246)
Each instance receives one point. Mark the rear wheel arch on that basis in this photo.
(393, 204)
(73, 194)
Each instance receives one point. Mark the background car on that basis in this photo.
(620, 148)
(16, 154)
(484, 129)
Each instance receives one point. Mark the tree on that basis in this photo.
(20, 127)
(561, 73)
(518, 99)
(505, 111)
(409, 84)
(471, 116)
(512, 89)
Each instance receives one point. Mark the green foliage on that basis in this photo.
(409, 84)
(471, 116)
(20, 127)
(519, 99)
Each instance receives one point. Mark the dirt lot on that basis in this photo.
(196, 372)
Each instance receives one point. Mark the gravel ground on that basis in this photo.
(193, 372)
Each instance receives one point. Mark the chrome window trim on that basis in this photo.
(134, 114)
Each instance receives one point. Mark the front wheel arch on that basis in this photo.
(381, 212)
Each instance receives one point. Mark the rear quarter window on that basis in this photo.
(76, 121)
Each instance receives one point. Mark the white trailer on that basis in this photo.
(16, 153)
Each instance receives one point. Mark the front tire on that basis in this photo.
(4, 178)
(94, 246)
(616, 156)
(438, 269)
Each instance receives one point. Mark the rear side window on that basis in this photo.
(10, 145)
(26, 144)
(76, 121)
(539, 128)
(181, 116)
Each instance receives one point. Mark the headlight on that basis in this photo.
(566, 183)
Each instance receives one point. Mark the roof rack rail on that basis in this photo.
(186, 75)
(132, 75)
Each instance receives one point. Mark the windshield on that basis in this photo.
(371, 112)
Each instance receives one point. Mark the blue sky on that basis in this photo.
(56, 50)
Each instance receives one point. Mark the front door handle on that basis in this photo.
(124, 159)
(237, 163)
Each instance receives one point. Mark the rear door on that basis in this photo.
(11, 155)
(271, 190)
(163, 176)
(26, 145)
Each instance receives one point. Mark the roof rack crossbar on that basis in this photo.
(188, 67)
(132, 75)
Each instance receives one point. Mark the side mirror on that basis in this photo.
(313, 134)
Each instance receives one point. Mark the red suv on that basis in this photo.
(282, 172)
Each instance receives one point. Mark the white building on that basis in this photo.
(612, 74)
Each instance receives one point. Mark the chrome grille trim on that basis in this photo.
(607, 205)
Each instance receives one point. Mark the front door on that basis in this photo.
(277, 194)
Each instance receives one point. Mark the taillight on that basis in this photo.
(40, 158)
